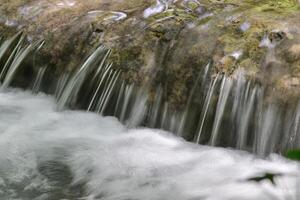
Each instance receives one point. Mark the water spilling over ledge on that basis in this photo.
(46, 154)
(98, 74)
(221, 110)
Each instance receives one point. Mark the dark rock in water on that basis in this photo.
(169, 45)
(267, 176)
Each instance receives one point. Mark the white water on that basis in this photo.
(231, 111)
(115, 163)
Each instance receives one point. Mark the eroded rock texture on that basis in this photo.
(169, 42)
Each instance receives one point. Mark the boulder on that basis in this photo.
(164, 42)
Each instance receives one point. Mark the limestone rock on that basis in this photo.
(171, 45)
(294, 52)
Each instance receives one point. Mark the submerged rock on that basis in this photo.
(168, 42)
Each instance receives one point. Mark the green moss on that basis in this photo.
(179, 50)
(192, 5)
(251, 66)
(279, 6)
(293, 154)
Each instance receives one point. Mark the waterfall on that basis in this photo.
(21, 55)
(9, 44)
(206, 107)
(46, 154)
(13, 53)
(294, 128)
(74, 84)
(61, 84)
(105, 74)
(155, 108)
(128, 93)
(39, 78)
(247, 110)
(221, 109)
(267, 130)
(223, 97)
(184, 116)
(9, 49)
(138, 109)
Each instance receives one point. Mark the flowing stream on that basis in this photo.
(221, 110)
(46, 154)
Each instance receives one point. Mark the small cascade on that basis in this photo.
(39, 78)
(125, 104)
(105, 76)
(72, 88)
(223, 97)
(247, 110)
(221, 110)
(120, 95)
(155, 108)
(50, 155)
(8, 52)
(8, 45)
(203, 76)
(20, 56)
(268, 130)
(138, 109)
(13, 53)
(206, 106)
(61, 84)
(293, 139)
(103, 101)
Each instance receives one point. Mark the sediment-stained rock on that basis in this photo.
(168, 43)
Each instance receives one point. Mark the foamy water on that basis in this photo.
(49, 155)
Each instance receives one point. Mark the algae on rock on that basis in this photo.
(168, 48)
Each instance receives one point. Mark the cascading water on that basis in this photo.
(52, 153)
(37, 83)
(231, 120)
(46, 154)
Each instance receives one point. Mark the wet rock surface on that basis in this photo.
(168, 43)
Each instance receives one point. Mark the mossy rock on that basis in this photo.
(168, 46)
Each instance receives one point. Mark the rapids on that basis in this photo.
(49, 155)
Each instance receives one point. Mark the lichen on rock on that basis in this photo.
(170, 47)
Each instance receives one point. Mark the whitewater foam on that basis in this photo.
(46, 154)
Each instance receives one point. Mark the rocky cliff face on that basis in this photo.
(169, 42)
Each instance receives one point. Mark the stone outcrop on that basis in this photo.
(169, 42)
